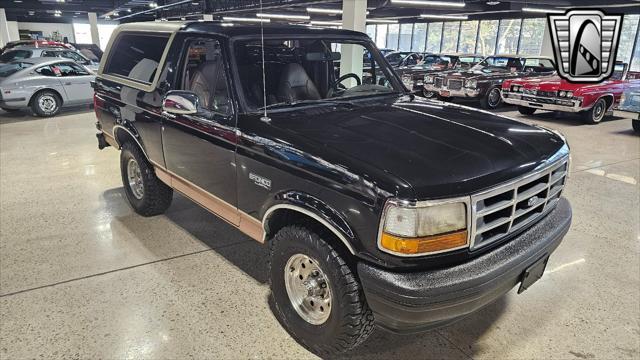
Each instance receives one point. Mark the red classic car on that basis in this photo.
(592, 101)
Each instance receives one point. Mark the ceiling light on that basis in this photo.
(153, 5)
(115, 13)
(327, 23)
(323, 11)
(245, 19)
(452, 17)
(60, 1)
(57, 15)
(195, 3)
(17, 1)
(227, 24)
(429, 3)
(128, 10)
(382, 21)
(536, 10)
(492, 3)
(283, 16)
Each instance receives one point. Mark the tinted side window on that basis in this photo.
(45, 71)
(50, 54)
(136, 56)
(205, 75)
(72, 55)
(15, 55)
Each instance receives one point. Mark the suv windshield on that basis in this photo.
(499, 64)
(310, 71)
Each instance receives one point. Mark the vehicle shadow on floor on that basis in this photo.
(252, 258)
(26, 115)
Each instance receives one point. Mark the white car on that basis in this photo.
(28, 52)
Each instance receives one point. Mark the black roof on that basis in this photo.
(269, 29)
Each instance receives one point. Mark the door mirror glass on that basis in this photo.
(181, 103)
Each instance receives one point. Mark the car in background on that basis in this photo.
(484, 80)
(25, 52)
(629, 106)
(44, 85)
(403, 58)
(592, 101)
(90, 51)
(413, 76)
(36, 43)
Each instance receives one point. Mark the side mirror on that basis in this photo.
(181, 103)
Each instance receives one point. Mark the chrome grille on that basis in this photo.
(510, 207)
(438, 82)
(455, 84)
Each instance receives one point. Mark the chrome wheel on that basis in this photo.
(598, 111)
(308, 289)
(47, 103)
(494, 97)
(135, 179)
(428, 94)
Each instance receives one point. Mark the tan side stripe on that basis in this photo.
(110, 140)
(243, 221)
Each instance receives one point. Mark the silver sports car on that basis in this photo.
(27, 52)
(44, 85)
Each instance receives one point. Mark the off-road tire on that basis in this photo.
(41, 111)
(486, 102)
(350, 321)
(525, 110)
(597, 112)
(157, 195)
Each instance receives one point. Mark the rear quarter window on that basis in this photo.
(136, 56)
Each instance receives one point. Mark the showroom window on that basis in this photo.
(393, 32)
(450, 37)
(508, 36)
(136, 56)
(381, 36)
(419, 37)
(531, 36)
(434, 33)
(635, 62)
(487, 37)
(406, 31)
(371, 31)
(468, 35)
(627, 35)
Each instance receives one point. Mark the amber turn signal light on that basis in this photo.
(424, 245)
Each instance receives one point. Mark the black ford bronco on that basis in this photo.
(377, 207)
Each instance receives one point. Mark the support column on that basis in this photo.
(4, 28)
(354, 17)
(93, 24)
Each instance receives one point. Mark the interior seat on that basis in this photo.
(295, 84)
(208, 80)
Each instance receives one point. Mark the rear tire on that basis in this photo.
(636, 125)
(524, 110)
(147, 195)
(349, 320)
(46, 103)
(595, 115)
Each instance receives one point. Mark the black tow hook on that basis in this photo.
(102, 143)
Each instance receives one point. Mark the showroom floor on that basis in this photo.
(82, 276)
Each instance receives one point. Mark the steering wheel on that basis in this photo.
(336, 86)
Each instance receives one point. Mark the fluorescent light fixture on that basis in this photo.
(324, 11)
(429, 3)
(537, 10)
(283, 16)
(451, 17)
(241, 19)
(382, 21)
(226, 24)
(327, 23)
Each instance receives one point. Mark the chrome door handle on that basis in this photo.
(67, 83)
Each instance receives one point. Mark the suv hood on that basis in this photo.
(436, 149)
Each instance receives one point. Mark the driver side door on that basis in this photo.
(76, 82)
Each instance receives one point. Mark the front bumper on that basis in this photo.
(464, 92)
(627, 114)
(544, 103)
(417, 301)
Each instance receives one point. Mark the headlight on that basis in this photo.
(472, 83)
(562, 93)
(423, 229)
(428, 79)
(569, 94)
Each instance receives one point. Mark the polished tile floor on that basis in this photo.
(82, 276)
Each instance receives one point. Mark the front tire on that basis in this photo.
(492, 100)
(524, 110)
(636, 125)
(147, 195)
(595, 115)
(46, 103)
(316, 295)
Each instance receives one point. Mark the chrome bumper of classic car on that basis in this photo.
(544, 103)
